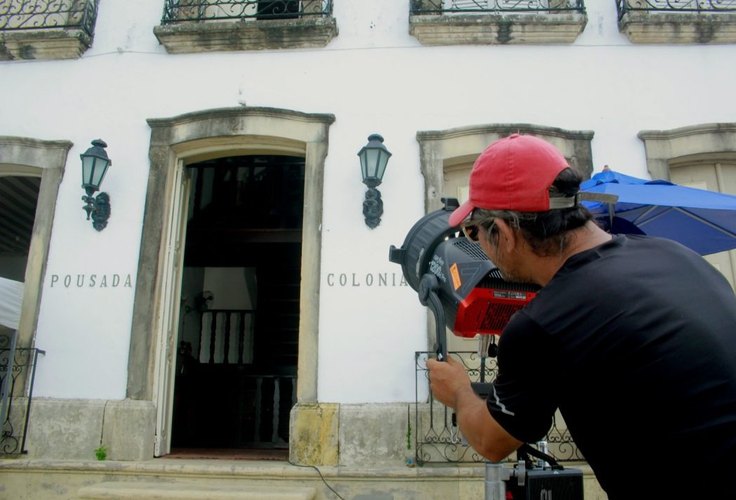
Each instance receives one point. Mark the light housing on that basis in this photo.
(373, 161)
(95, 164)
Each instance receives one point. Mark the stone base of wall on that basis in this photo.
(359, 449)
(71, 429)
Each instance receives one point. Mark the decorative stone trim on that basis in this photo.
(491, 29)
(44, 44)
(679, 27)
(190, 138)
(663, 146)
(213, 36)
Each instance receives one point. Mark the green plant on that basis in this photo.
(408, 437)
(101, 452)
(408, 428)
(410, 458)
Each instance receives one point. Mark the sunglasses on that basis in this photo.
(470, 231)
(471, 227)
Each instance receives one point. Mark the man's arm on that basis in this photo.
(450, 385)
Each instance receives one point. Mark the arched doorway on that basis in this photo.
(176, 144)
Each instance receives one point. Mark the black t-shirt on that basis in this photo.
(635, 342)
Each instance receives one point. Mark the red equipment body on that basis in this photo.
(488, 310)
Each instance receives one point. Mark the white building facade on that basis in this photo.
(236, 298)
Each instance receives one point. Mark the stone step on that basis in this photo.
(147, 490)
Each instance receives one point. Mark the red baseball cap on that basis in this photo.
(514, 173)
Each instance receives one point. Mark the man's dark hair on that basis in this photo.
(546, 232)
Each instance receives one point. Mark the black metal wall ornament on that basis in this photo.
(372, 207)
(101, 211)
(373, 161)
(95, 163)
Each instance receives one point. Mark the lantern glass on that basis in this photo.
(373, 160)
(95, 163)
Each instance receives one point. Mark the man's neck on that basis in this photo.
(581, 239)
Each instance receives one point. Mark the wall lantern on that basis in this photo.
(95, 163)
(373, 160)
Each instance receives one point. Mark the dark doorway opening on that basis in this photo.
(236, 370)
(18, 199)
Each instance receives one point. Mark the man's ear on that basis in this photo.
(507, 237)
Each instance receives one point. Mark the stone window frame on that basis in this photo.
(443, 149)
(663, 147)
(196, 136)
(47, 160)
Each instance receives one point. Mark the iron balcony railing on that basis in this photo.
(436, 437)
(48, 14)
(698, 6)
(17, 371)
(176, 11)
(495, 6)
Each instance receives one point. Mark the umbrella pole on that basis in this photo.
(610, 217)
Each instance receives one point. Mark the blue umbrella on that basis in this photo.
(702, 220)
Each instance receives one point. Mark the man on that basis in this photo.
(632, 338)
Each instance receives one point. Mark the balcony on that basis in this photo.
(189, 26)
(678, 21)
(46, 29)
(488, 22)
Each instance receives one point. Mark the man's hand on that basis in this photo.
(450, 386)
(448, 380)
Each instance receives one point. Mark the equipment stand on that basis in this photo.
(495, 486)
(427, 292)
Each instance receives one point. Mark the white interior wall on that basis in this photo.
(374, 77)
(228, 287)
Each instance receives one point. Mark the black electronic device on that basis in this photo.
(546, 484)
(543, 479)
